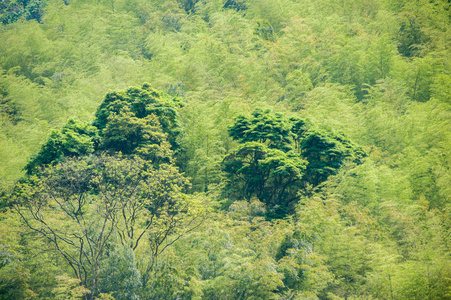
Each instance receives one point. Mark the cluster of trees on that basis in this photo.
(278, 158)
(95, 193)
(12, 11)
(285, 150)
(137, 121)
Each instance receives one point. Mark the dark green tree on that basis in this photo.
(75, 139)
(263, 127)
(326, 152)
(237, 5)
(188, 5)
(278, 157)
(411, 37)
(142, 102)
(13, 10)
(299, 127)
(137, 121)
(269, 174)
(128, 134)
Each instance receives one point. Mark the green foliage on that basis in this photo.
(128, 134)
(236, 5)
(69, 288)
(265, 30)
(8, 109)
(326, 152)
(233, 254)
(277, 158)
(264, 128)
(131, 122)
(136, 205)
(14, 275)
(119, 276)
(103, 296)
(14, 282)
(411, 37)
(11, 11)
(139, 103)
(270, 174)
(353, 228)
(75, 139)
(173, 279)
(304, 269)
(245, 278)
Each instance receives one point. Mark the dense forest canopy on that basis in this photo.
(225, 149)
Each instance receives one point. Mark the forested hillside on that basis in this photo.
(225, 149)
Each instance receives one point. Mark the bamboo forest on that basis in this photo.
(225, 149)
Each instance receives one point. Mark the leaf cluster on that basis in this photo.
(277, 158)
(136, 121)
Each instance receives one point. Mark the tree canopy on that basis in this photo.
(278, 158)
(135, 121)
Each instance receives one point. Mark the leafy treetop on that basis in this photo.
(141, 102)
(326, 152)
(278, 157)
(137, 121)
(75, 139)
(263, 127)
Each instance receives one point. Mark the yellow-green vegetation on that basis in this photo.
(225, 149)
